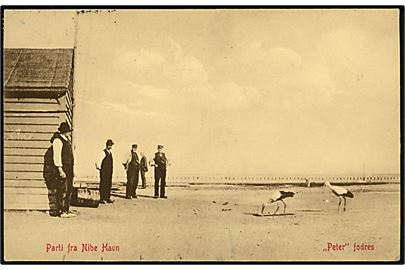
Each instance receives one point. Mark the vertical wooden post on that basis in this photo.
(76, 27)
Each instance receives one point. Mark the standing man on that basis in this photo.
(144, 169)
(131, 165)
(105, 165)
(58, 169)
(160, 163)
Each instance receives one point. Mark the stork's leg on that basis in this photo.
(263, 206)
(340, 202)
(285, 206)
(277, 208)
(344, 205)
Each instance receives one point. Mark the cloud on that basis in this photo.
(281, 77)
(227, 96)
(186, 70)
(252, 76)
(282, 59)
(128, 109)
(149, 90)
(138, 59)
(277, 60)
(174, 48)
(274, 60)
(165, 67)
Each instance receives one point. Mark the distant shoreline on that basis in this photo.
(261, 178)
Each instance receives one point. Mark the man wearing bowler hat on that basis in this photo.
(160, 164)
(131, 164)
(58, 170)
(105, 165)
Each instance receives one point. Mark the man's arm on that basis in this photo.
(126, 160)
(100, 160)
(155, 161)
(57, 156)
(167, 162)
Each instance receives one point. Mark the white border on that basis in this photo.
(206, 2)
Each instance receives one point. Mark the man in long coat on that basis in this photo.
(131, 164)
(105, 165)
(160, 163)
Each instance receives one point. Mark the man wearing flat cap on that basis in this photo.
(58, 170)
(131, 164)
(160, 164)
(105, 165)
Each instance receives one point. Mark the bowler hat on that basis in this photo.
(109, 142)
(64, 127)
(134, 146)
(160, 146)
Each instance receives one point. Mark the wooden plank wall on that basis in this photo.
(29, 123)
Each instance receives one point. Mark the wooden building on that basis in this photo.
(37, 97)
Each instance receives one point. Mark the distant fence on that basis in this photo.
(262, 179)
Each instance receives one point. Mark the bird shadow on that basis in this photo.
(311, 210)
(146, 196)
(269, 215)
(124, 197)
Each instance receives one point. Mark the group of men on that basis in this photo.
(135, 164)
(59, 162)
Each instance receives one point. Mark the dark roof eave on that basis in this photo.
(35, 92)
(36, 88)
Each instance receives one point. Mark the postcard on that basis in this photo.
(195, 134)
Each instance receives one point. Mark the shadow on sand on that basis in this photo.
(269, 215)
(124, 197)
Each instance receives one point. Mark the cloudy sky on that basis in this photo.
(231, 91)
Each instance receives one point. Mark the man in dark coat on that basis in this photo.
(58, 170)
(143, 169)
(105, 165)
(131, 164)
(160, 163)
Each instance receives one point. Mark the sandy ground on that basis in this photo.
(191, 226)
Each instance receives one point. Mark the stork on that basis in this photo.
(277, 196)
(341, 192)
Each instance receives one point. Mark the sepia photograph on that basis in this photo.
(210, 135)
